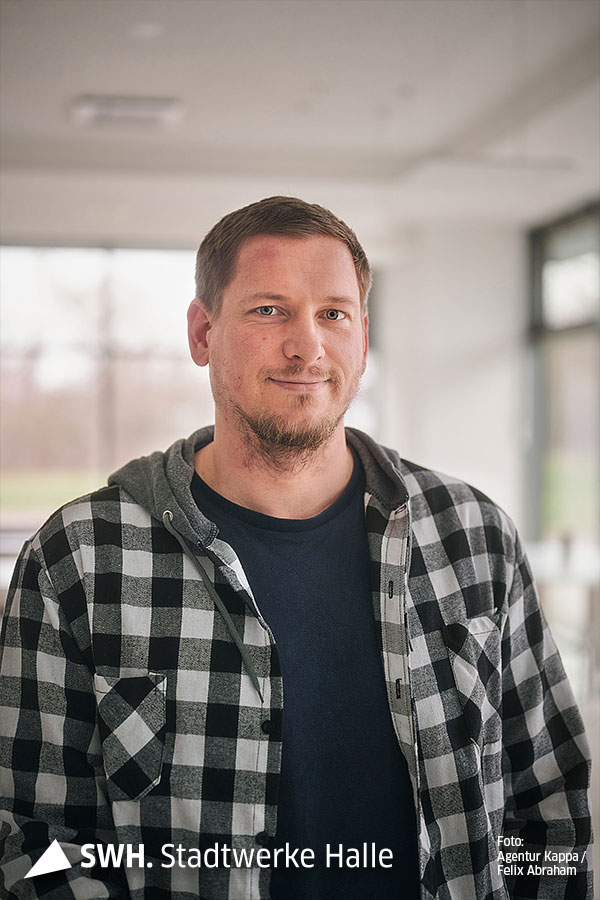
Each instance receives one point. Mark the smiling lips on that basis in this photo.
(300, 386)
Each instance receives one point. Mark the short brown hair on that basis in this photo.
(286, 216)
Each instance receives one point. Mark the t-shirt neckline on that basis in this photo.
(204, 494)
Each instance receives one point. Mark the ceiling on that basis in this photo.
(444, 108)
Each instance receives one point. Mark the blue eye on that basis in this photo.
(266, 310)
(334, 314)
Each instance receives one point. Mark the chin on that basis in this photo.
(292, 432)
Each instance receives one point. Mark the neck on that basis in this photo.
(287, 485)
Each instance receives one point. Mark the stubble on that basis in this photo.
(286, 442)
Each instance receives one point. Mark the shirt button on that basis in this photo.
(268, 726)
(263, 838)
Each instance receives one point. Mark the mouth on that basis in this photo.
(300, 386)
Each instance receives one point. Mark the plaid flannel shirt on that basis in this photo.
(136, 673)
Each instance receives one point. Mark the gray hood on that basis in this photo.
(161, 481)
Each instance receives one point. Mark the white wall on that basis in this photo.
(452, 332)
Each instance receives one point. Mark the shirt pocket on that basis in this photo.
(474, 651)
(132, 725)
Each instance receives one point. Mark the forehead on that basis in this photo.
(320, 262)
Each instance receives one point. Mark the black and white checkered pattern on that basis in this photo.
(129, 713)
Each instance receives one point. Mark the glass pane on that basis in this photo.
(51, 445)
(50, 296)
(571, 273)
(51, 434)
(151, 291)
(157, 402)
(571, 451)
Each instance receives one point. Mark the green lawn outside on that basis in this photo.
(28, 495)
(570, 497)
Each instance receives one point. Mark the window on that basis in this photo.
(565, 470)
(95, 369)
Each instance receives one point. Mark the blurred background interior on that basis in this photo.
(460, 139)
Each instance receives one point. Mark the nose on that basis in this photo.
(303, 340)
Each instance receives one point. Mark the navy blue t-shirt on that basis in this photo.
(344, 779)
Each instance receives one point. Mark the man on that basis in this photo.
(285, 661)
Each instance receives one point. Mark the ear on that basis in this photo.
(365, 339)
(198, 327)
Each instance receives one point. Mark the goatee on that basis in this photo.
(282, 445)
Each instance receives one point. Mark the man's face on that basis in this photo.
(289, 345)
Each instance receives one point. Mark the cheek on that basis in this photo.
(240, 340)
(240, 358)
(233, 349)
(253, 351)
(352, 353)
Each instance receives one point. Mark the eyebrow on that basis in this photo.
(278, 298)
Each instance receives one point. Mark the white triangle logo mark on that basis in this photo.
(53, 860)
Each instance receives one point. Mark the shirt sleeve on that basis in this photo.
(546, 756)
(52, 784)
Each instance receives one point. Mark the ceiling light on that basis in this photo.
(147, 31)
(96, 109)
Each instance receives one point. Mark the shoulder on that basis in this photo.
(451, 521)
(449, 510)
(434, 492)
(439, 504)
(464, 548)
(94, 520)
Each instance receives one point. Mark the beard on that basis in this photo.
(286, 442)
